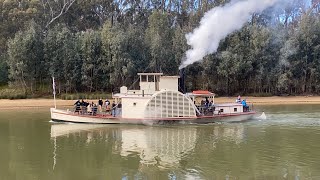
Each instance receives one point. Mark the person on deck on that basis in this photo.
(107, 102)
(77, 106)
(83, 106)
(207, 102)
(89, 108)
(211, 103)
(245, 106)
(238, 100)
(113, 109)
(94, 109)
(100, 102)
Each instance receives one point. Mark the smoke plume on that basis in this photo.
(217, 24)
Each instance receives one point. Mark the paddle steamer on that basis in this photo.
(158, 100)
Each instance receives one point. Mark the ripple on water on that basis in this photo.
(300, 119)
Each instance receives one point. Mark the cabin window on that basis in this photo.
(134, 104)
(144, 78)
(221, 110)
(235, 109)
(151, 79)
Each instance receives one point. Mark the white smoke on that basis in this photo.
(217, 24)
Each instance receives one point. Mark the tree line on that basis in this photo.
(94, 46)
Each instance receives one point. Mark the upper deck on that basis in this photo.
(150, 83)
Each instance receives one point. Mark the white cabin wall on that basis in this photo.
(148, 87)
(169, 83)
(229, 109)
(129, 110)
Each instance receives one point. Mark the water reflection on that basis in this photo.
(64, 129)
(219, 151)
(229, 132)
(285, 146)
(159, 146)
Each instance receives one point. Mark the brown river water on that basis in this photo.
(284, 146)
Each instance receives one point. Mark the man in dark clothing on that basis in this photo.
(207, 102)
(100, 103)
(82, 102)
(83, 106)
(77, 106)
(113, 109)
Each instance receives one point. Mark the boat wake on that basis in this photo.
(261, 117)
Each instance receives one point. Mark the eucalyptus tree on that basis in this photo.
(3, 70)
(159, 37)
(138, 54)
(92, 64)
(25, 58)
(54, 51)
(307, 36)
(14, 15)
(71, 60)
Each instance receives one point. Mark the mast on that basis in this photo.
(54, 92)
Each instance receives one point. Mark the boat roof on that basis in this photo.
(119, 95)
(170, 76)
(201, 93)
(160, 74)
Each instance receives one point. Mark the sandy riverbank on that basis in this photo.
(37, 103)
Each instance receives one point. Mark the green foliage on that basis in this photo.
(12, 93)
(85, 96)
(25, 58)
(3, 71)
(159, 40)
(97, 46)
(92, 66)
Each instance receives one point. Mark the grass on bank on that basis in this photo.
(16, 93)
(84, 96)
(12, 93)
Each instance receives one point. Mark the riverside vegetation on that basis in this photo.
(97, 46)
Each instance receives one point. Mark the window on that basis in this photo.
(151, 78)
(235, 109)
(221, 110)
(143, 78)
(134, 104)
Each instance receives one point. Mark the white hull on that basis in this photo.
(65, 116)
(234, 118)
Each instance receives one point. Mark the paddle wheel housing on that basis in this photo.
(169, 104)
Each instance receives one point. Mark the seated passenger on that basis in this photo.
(94, 109)
(89, 109)
(207, 102)
(211, 103)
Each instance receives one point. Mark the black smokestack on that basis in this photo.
(182, 86)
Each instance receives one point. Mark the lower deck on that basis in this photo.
(67, 116)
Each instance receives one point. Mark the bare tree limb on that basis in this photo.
(66, 5)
